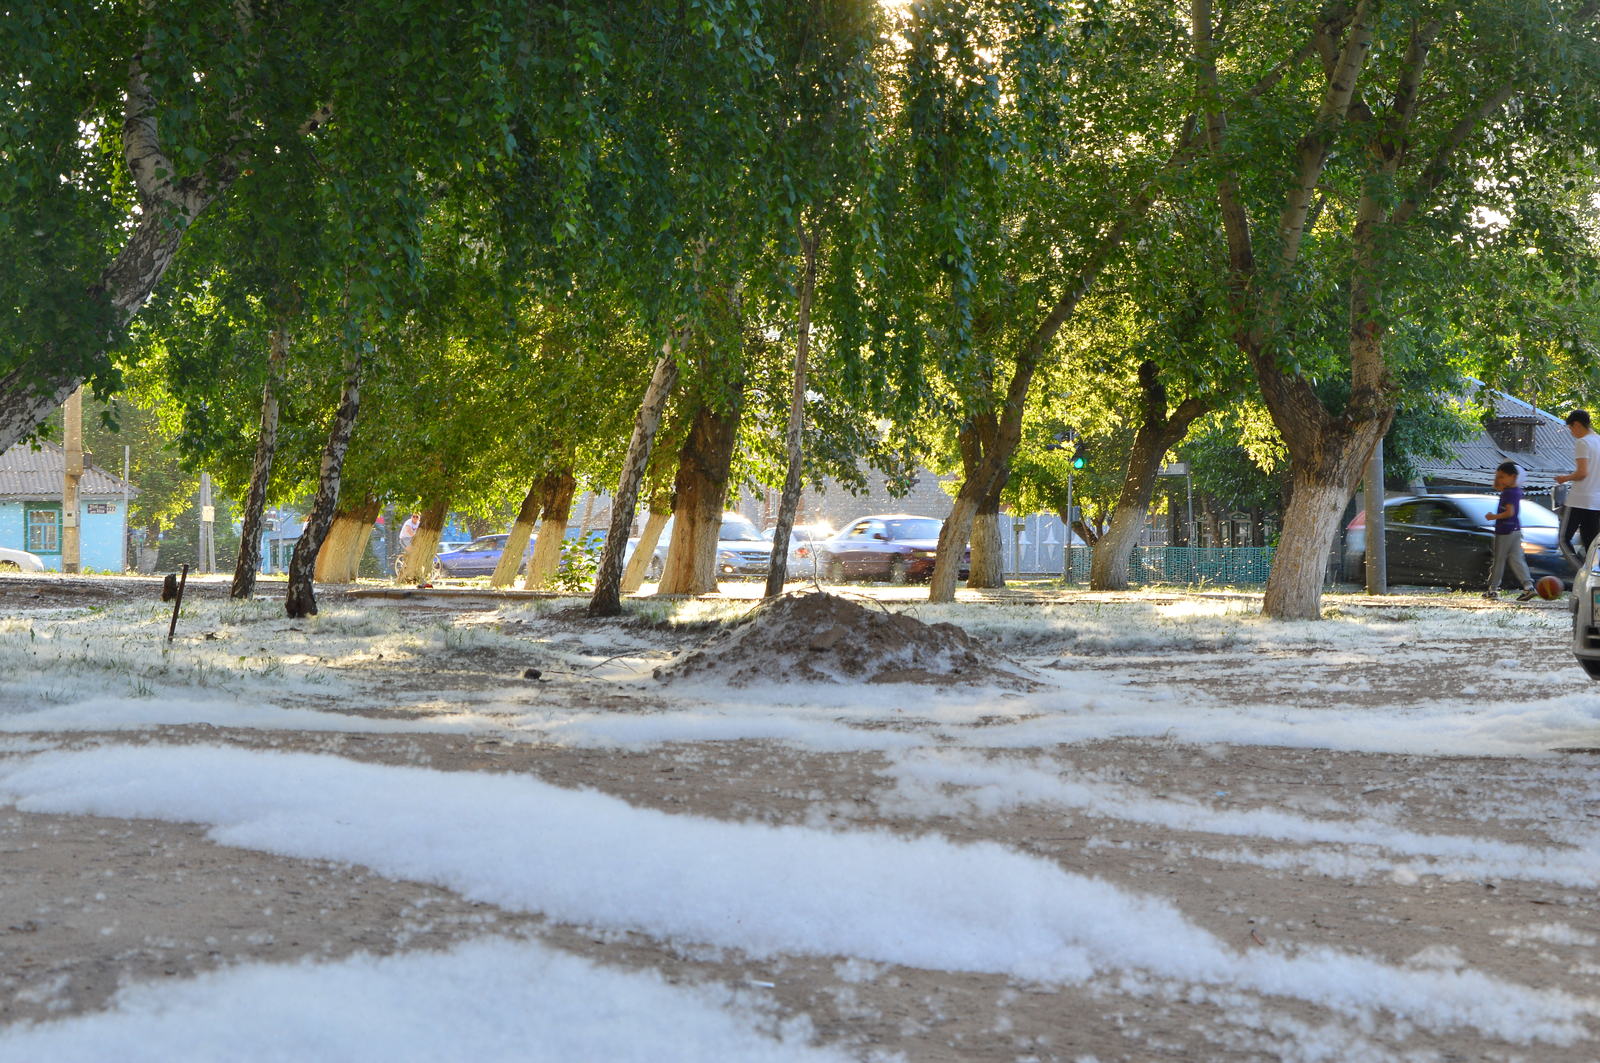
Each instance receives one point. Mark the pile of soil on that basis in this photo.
(812, 637)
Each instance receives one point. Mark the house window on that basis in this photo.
(1513, 434)
(44, 530)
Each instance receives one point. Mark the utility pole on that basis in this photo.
(127, 525)
(1066, 569)
(206, 544)
(1377, 565)
(71, 541)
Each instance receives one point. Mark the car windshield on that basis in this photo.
(740, 531)
(916, 528)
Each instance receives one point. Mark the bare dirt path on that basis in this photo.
(1391, 856)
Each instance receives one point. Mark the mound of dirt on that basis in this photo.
(811, 637)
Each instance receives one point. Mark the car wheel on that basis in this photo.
(833, 571)
(440, 572)
(1590, 667)
(654, 570)
(899, 570)
(10, 566)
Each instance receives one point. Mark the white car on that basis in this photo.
(19, 561)
(741, 551)
(802, 558)
(1585, 615)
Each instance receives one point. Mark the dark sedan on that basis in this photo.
(1444, 540)
(895, 547)
(477, 558)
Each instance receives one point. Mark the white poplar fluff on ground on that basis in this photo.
(590, 859)
(487, 1001)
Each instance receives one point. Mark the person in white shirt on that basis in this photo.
(1583, 499)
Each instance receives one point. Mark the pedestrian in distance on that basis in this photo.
(408, 532)
(1583, 498)
(1508, 534)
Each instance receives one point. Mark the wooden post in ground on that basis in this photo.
(71, 540)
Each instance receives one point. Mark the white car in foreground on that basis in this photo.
(19, 561)
(1585, 615)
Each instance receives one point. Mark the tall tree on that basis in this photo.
(1379, 155)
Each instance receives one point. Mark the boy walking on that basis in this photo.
(1508, 534)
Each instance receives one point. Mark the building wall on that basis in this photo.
(100, 533)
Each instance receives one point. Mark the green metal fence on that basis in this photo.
(1188, 565)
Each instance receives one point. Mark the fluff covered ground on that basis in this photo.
(375, 834)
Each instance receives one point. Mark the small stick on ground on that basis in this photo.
(177, 601)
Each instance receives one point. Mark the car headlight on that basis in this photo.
(922, 553)
(726, 555)
(1535, 548)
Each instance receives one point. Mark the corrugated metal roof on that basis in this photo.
(1477, 458)
(29, 474)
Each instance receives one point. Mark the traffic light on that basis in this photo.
(1079, 459)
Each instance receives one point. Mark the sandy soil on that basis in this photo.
(91, 904)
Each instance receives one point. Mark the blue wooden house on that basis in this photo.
(30, 507)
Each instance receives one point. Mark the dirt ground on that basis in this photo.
(89, 904)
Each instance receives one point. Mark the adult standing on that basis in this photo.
(1583, 498)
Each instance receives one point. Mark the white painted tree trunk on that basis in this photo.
(505, 570)
(701, 490)
(418, 566)
(643, 551)
(557, 509)
(988, 556)
(1300, 564)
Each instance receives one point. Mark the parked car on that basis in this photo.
(896, 546)
(1444, 541)
(19, 561)
(741, 550)
(477, 558)
(1585, 615)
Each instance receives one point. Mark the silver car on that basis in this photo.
(1585, 635)
(19, 561)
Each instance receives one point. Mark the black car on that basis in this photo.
(1445, 541)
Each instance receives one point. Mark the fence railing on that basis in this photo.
(1188, 565)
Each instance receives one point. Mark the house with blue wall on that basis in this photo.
(30, 507)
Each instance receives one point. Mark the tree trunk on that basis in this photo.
(1294, 588)
(556, 505)
(333, 558)
(339, 560)
(644, 550)
(953, 538)
(988, 548)
(418, 567)
(701, 489)
(249, 561)
(607, 598)
(301, 600)
(505, 570)
(790, 501)
(1159, 431)
(987, 442)
(363, 537)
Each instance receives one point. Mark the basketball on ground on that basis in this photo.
(1549, 588)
